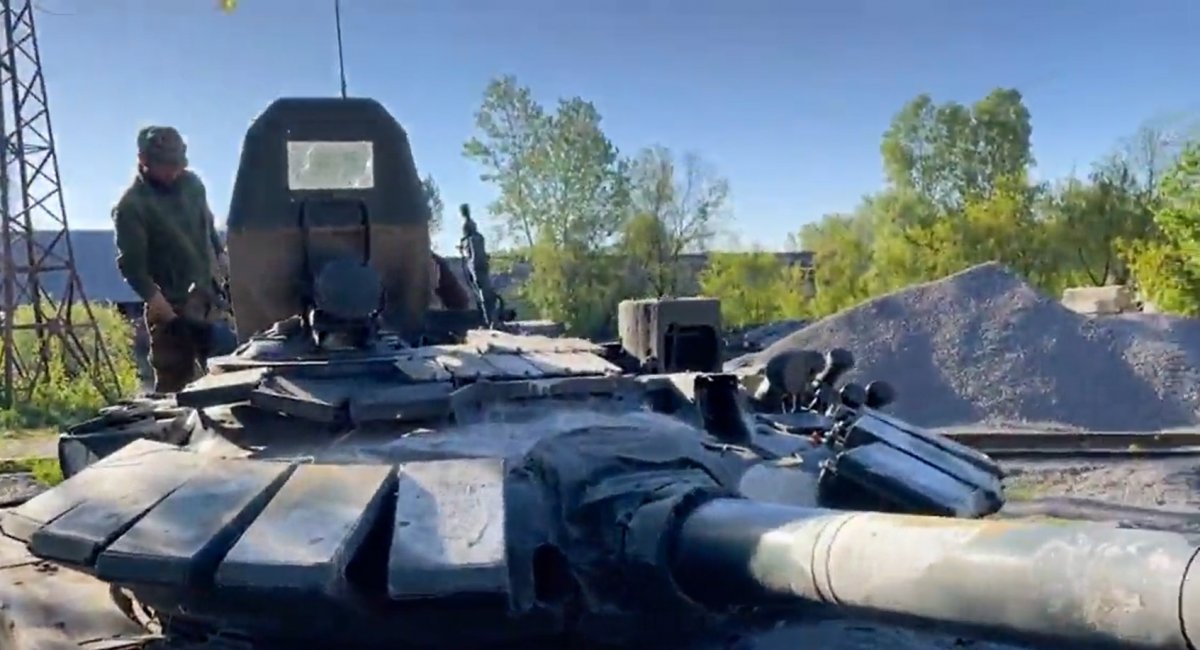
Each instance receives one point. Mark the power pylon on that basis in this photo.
(37, 262)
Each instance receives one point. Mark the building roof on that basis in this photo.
(95, 260)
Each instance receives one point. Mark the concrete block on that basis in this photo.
(1112, 299)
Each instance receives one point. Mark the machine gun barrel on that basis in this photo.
(1086, 586)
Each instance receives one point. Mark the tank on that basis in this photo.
(372, 468)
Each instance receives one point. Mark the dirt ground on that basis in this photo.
(1167, 483)
(38, 445)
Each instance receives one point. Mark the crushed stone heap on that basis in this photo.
(982, 346)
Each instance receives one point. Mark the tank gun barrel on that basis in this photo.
(1060, 586)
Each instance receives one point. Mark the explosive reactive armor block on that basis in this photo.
(672, 334)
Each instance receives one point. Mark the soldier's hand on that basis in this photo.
(159, 311)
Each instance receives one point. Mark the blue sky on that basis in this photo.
(787, 98)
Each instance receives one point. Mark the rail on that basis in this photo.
(1097, 444)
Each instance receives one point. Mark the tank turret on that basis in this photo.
(322, 179)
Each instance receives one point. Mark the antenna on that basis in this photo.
(337, 17)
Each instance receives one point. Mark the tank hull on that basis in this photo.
(405, 489)
(402, 536)
(44, 609)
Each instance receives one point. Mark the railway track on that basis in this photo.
(1020, 445)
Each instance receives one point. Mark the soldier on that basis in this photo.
(167, 243)
(474, 252)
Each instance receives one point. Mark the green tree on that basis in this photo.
(901, 238)
(958, 179)
(1163, 275)
(949, 153)
(510, 146)
(1154, 148)
(576, 286)
(1178, 215)
(563, 196)
(795, 292)
(437, 209)
(1167, 265)
(841, 245)
(958, 195)
(753, 287)
(1089, 218)
(1006, 227)
(675, 207)
(583, 180)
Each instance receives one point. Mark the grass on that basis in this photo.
(65, 393)
(27, 443)
(27, 433)
(1022, 491)
(1056, 521)
(45, 470)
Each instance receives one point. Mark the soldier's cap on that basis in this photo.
(162, 145)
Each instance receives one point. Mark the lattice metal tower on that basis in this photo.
(37, 263)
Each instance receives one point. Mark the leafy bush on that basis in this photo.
(1163, 275)
(754, 288)
(1166, 264)
(66, 392)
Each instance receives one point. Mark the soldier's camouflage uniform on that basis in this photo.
(166, 241)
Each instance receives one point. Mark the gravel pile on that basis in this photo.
(754, 339)
(983, 347)
(760, 337)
